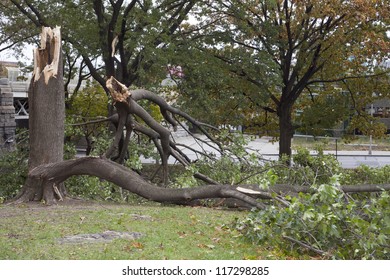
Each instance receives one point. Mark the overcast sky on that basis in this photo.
(27, 56)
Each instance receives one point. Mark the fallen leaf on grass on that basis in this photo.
(251, 258)
(205, 246)
(137, 245)
(81, 219)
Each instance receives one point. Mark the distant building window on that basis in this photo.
(21, 108)
(13, 74)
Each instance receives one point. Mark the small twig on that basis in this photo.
(307, 246)
(195, 150)
(155, 173)
(98, 120)
(253, 174)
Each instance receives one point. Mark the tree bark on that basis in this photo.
(286, 129)
(56, 173)
(46, 116)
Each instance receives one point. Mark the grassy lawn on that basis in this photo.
(360, 143)
(170, 232)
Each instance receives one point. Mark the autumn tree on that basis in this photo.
(124, 39)
(208, 85)
(301, 46)
(129, 40)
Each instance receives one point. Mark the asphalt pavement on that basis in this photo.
(270, 149)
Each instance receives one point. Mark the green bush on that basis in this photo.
(92, 188)
(329, 221)
(305, 170)
(14, 166)
(13, 173)
(366, 175)
(308, 169)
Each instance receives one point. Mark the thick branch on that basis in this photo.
(131, 181)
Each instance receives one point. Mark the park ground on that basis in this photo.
(34, 231)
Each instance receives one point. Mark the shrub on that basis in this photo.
(366, 175)
(13, 173)
(328, 222)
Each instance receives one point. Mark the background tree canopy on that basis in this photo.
(251, 63)
(289, 50)
(124, 39)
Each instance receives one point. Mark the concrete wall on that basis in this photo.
(7, 116)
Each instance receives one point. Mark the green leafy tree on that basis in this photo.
(289, 49)
(88, 104)
(130, 40)
(209, 87)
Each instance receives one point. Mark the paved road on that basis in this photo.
(264, 146)
(269, 150)
(353, 161)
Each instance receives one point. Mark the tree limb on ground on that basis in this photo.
(126, 104)
(131, 181)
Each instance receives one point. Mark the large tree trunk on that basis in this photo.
(286, 129)
(47, 115)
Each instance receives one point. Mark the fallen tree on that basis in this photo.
(47, 170)
(127, 179)
(57, 173)
(126, 105)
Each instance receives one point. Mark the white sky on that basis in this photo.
(27, 56)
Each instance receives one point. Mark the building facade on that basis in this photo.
(7, 116)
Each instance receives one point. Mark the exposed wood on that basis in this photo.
(47, 57)
(119, 92)
(248, 191)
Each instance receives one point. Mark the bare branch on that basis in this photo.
(307, 246)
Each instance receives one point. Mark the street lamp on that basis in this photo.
(371, 113)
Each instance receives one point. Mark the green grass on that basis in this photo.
(32, 232)
(359, 143)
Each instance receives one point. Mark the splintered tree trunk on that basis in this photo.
(46, 118)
